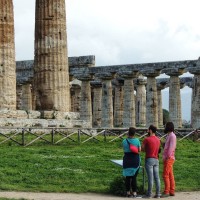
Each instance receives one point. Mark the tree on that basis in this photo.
(165, 116)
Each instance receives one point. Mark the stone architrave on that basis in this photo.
(140, 104)
(96, 103)
(118, 103)
(51, 73)
(7, 56)
(195, 108)
(107, 100)
(85, 99)
(129, 98)
(152, 98)
(175, 113)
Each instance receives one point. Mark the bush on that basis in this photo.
(117, 186)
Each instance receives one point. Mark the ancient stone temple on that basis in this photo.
(7, 56)
(51, 76)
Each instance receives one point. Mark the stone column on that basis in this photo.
(160, 87)
(19, 96)
(141, 102)
(96, 103)
(75, 97)
(129, 98)
(51, 76)
(152, 98)
(27, 97)
(7, 56)
(107, 100)
(175, 113)
(118, 103)
(85, 100)
(195, 108)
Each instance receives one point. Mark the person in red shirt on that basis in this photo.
(151, 147)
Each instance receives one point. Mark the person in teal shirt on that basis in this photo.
(131, 162)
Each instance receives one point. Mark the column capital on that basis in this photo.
(162, 83)
(96, 84)
(128, 74)
(150, 72)
(174, 71)
(105, 75)
(194, 70)
(141, 81)
(84, 77)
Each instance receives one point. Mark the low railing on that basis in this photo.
(26, 136)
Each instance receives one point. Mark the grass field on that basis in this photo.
(73, 167)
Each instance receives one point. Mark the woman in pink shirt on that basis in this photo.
(168, 159)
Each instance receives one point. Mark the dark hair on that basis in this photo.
(153, 128)
(131, 131)
(169, 127)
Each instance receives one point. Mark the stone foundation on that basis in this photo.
(44, 119)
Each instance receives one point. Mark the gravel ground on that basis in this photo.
(87, 196)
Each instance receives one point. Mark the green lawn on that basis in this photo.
(73, 167)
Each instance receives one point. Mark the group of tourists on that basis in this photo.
(151, 146)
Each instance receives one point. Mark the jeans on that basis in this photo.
(168, 176)
(152, 169)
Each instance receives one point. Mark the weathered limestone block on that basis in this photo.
(32, 114)
(17, 114)
(7, 56)
(82, 61)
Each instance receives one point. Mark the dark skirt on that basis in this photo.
(131, 160)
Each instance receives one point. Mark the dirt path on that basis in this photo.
(87, 196)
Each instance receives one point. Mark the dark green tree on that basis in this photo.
(165, 116)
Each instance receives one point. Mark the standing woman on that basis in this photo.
(169, 159)
(131, 162)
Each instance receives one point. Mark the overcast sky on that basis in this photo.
(120, 31)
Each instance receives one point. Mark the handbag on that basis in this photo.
(132, 147)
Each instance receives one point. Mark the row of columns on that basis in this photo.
(129, 109)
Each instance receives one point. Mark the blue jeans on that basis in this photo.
(152, 169)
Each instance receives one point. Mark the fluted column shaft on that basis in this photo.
(97, 98)
(86, 99)
(51, 76)
(27, 97)
(152, 98)
(141, 102)
(107, 100)
(195, 108)
(75, 98)
(7, 56)
(118, 105)
(129, 99)
(175, 112)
